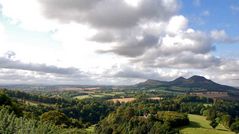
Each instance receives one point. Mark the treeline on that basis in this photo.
(14, 120)
(219, 111)
(66, 114)
(152, 116)
(128, 121)
(224, 112)
(90, 111)
(186, 104)
(38, 98)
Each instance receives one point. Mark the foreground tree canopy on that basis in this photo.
(21, 112)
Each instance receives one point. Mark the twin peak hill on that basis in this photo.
(194, 83)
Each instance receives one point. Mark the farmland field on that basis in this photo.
(97, 95)
(123, 100)
(199, 125)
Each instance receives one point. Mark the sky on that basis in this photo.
(118, 42)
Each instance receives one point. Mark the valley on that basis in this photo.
(180, 106)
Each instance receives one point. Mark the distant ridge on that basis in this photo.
(194, 82)
(151, 82)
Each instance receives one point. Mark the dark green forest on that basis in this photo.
(25, 112)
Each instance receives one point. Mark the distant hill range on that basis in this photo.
(194, 83)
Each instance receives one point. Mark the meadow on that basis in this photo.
(199, 125)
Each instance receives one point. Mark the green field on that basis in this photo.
(199, 125)
(81, 97)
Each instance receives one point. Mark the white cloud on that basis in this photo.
(133, 3)
(109, 13)
(177, 24)
(190, 40)
(222, 37)
(218, 35)
(28, 14)
(226, 72)
(149, 35)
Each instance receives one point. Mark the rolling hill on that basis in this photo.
(192, 83)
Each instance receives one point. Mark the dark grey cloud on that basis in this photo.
(183, 60)
(18, 65)
(108, 13)
(30, 73)
(154, 45)
(134, 47)
(104, 37)
(136, 74)
(72, 5)
(10, 76)
(184, 50)
(150, 73)
(14, 76)
(187, 60)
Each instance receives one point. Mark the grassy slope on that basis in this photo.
(199, 125)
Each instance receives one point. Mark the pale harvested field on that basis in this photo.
(155, 98)
(125, 100)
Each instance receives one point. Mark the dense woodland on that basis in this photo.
(22, 112)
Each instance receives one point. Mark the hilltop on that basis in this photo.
(193, 83)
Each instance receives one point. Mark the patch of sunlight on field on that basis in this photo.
(199, 125)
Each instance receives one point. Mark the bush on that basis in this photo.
(235, 126)
(56, 117)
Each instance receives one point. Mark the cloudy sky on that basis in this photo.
(118, 41)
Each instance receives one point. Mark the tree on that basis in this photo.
(211, 114)
(214, 124)
(226, 120)
(11, 124)
(5, 100)
(160, 128)
(56, 117)
(235, 126)
(129, 113)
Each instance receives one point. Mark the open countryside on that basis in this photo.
(119, 66)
